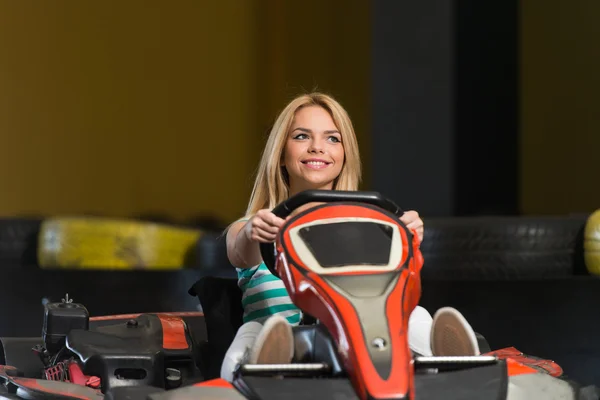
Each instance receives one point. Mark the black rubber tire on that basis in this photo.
(18, 241)
(493, 248)
(211, 256)
(17, 352)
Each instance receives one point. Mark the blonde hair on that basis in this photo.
(271, 186)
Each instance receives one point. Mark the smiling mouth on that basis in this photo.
(316, 164)
(311, 162)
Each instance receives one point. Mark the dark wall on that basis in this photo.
(412, 117)
(486, 105)
(444, 90)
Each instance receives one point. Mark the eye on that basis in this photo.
(334, 139)
(300, 136)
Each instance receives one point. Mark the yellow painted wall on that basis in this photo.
(560, 111)
(322, 45)
(124, 107)
(120, 107)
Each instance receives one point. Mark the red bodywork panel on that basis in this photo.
(215, 383)
(132, 316)
(310, 292)
(519, 363)
(174, 337)
(62, 389)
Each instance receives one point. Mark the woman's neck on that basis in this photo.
(295, 189)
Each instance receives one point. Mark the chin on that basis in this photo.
(314, 181)
(325, 185)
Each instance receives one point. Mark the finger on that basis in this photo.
(263, 237)
(409, 216)
(415, 224)
(273, 220)
(420, 234)
(270, 218)
(267, 237)
(418, 230)
(264, 226)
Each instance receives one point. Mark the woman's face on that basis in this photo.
(314, 153)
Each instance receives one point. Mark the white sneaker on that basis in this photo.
(274, 343)
(451, 334)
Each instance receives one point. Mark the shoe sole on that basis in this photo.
(274, 344)
(451, 335)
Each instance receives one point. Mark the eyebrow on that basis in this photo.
(309, 131)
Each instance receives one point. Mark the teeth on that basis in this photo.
(316, 163)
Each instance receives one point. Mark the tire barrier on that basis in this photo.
(591, 244)
(99, 243)
(18, 241)
(502, 248)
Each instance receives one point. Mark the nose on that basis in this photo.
(316, 146)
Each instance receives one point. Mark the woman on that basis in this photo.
(312, 145)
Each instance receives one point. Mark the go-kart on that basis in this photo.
(351, 266)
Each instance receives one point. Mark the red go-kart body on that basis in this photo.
(356, 269)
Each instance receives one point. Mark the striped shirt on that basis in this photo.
(263, 295)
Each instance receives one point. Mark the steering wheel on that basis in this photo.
(284, 209)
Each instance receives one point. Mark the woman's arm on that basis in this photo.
(243, 238)
(241, 251)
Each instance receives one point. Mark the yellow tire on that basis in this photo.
(591, 244)
(99, 243)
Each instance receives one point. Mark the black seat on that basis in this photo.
(221, 301)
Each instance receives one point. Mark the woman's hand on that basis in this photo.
(413, 222)
(263, 227)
